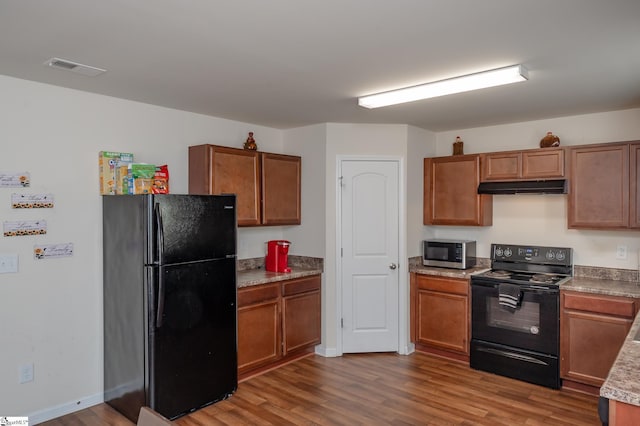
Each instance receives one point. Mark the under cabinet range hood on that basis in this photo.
(524, 187)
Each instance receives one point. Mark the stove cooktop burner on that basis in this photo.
(497, 274)
(520, 277)
(544, 279)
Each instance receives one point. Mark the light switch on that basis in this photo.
(8, 263)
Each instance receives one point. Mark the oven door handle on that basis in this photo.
(512, 355)
(524, 288)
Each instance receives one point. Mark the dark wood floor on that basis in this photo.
(378, 389)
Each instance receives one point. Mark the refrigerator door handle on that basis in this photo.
(160, 312)
(159, 235)
(160, 261)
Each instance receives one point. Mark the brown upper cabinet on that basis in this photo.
(281, 177)
(267, 186)
(545, 163)
(451, 192)
(604, 185)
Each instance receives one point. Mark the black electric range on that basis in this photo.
(515, 312)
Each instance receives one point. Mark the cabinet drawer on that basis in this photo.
(611, 305)
(259, 293)
(444, 285)
(301, 285)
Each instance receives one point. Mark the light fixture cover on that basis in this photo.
(465, 83)
(76, 67)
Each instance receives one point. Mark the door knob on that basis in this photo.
(393, 266)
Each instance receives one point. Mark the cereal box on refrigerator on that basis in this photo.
(141, 178)
(108, 162)
(161, 180)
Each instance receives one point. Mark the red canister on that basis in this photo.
(277, 256)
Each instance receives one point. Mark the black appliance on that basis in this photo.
(170, 339)
(524, 187)
(515, 313)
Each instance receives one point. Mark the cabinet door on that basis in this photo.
(301, 313)
(501, 166)
(451, 192)
(599, 187)
(591, 344)
(593, 329)
(300, 321)
(543, 164)
(443, 320)
(220, 170)
(634, 188)
(281, 183)
(259, 341)
(442, 313)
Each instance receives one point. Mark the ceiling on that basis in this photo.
(291, 63)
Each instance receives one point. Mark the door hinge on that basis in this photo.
(341, 322)
(341, 252)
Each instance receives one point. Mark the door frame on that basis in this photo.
(404, 345)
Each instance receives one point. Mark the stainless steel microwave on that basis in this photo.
(445, 253)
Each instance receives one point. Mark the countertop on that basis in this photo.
(415, 265)
(252, 277)
(447, 272)
(607, 287)
(252, 272)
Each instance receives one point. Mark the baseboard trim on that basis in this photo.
(326, 352)
(408, 350)
(64, 409)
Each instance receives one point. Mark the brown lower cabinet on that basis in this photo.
(593, 329)
(621, 414)
(440, 315)
(277, 322)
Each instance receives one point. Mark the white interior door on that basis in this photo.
(370, 244)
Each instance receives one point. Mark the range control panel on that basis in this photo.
(532, 254)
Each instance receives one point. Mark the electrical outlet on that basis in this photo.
(25, 372)
(621, 253)
(8, 263)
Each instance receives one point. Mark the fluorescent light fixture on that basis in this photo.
(64, 64)
(465, 83)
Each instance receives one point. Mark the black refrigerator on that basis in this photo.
(170, 333)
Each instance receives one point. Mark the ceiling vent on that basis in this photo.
(64, 64)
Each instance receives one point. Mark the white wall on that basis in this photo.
(420, 144)
(542, 219)
(51, 310)
(307, 239)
